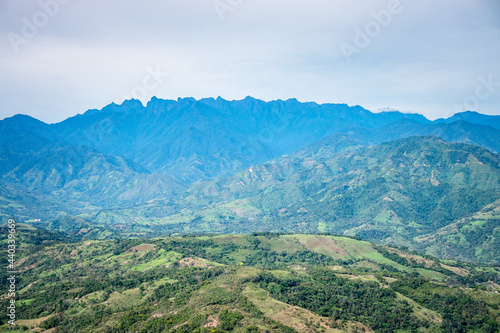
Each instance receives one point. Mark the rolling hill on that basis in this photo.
(248, 283)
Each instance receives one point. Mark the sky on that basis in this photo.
(59, 58)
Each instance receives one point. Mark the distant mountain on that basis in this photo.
(195, 140)
(198, 140)
(77, 177)
(422, 180)
(457, 131)
(213, 165)
(23, 124)
(473, 118)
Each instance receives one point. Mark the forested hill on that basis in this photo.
(437, 197)
(249, 283)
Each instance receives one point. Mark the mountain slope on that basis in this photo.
(57, 171)
(456, 131)
(476, 236)
(213, 165)
(204, 139)
(389, 193)
(196, 140)
(253, 283)
(473, 118)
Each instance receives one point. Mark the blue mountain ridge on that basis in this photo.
(169, 162)
(195, 140)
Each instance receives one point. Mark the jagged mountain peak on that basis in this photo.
(165, 133)
(315, 167)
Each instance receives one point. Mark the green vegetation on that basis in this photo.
(263, 282)
(439, 198)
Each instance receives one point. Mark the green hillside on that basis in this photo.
(477, 236)
(401, 192)
(248, 283)
(187, 166)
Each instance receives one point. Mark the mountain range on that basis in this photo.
(213, 165)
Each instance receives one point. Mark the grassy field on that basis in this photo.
(247, 283)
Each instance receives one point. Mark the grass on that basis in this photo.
(364, 278)
(165, 258)
(422, 312)
(320, 244)
(26, 301)
(280, 274)
(346, 248)
(379, 258)
(164, 281)
(241, 208)
(474, 225)
(95, 296)
(32, 322)
(366, 265)
(433, 275)
(298, 318)
(322, 226)
(129, 297)
(283, 244)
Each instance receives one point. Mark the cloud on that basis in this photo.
(90, 53)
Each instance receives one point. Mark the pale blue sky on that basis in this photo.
(62, 57)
